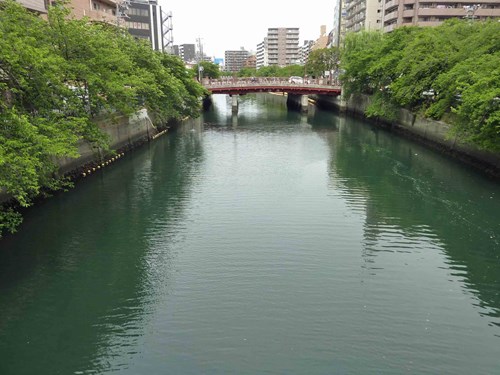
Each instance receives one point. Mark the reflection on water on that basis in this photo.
(267, 242)
(419, 195)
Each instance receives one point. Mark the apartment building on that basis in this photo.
(337, 34)
(235, 60)
(262, 55)
(304, 51)
(37, 6)
(144, 19)
(187, 52)
(362, 15)
(251, 62)
(397, 13)
(280, 47)
(96, 10)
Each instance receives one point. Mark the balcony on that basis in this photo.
(389, 28)
(391, 16)
(448, 12)
(391, 4)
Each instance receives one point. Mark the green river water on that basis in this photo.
(265, 243)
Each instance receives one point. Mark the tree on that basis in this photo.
(210, 70)
(247, 72)
(323, 60)
(359, 53)
(450, 72)
(56, 78)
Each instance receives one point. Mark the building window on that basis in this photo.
(137, 25)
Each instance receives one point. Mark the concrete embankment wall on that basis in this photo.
(124, 133)
(435, 134)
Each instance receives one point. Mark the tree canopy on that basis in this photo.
(210, 70)
(56, 77)
(450, 72)
(323, 60)
(273, 71)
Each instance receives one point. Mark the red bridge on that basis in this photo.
(241, 86)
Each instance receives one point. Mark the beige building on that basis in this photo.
(283, 46)
(251, 62)
(34, 5)
(322, 41)
(96, 10)
(362, 15)
(397, 13)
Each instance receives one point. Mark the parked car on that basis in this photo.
(295, 79)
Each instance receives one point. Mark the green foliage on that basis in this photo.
(477, 108)
(9, 220)
(359, 53)
(247, 72)
(322, 60)
(382, 106)
(210, 70)
(56, 77)
(446, 72)
(273, 71)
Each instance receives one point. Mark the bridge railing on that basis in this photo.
(268, 81)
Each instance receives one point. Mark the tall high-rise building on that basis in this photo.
(282, 46)
(235, 60)
(397, 13)
(145, 19)
(339, 20)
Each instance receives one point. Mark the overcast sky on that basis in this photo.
(228, 25)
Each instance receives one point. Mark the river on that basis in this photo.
(265, 243)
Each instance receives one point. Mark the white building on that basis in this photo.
(262, 55)
(304, 51)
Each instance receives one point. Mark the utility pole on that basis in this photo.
(200, 50)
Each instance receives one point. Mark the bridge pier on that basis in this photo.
(343, 102)
(304, 103)
(298, 101)
(207, 102)
(234, 104)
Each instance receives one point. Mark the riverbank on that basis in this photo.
(125, 133)
(434, 134)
